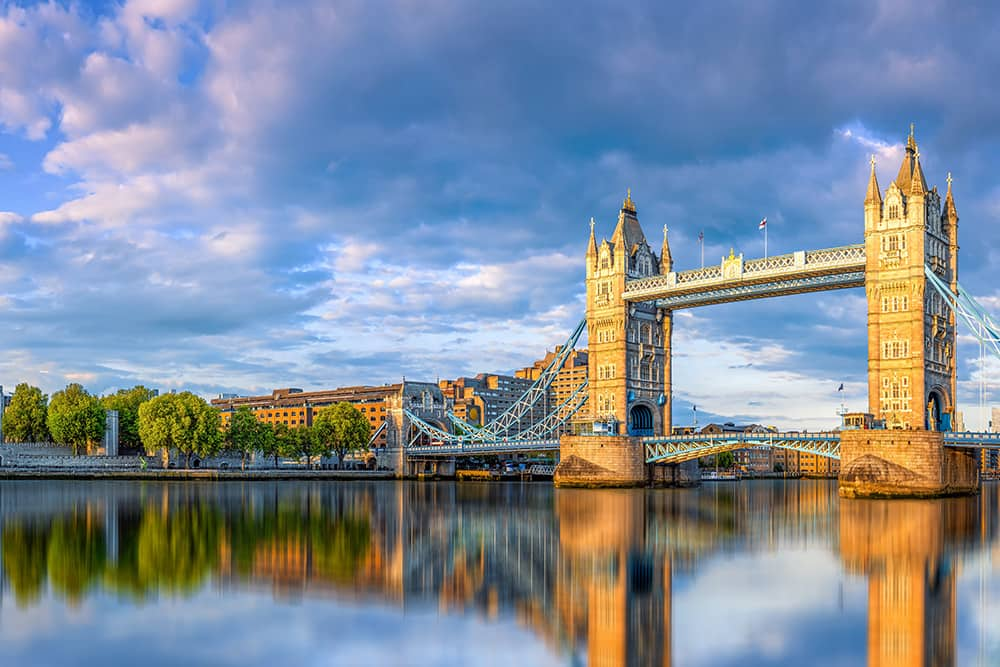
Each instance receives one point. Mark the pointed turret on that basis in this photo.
(951, 213)
(592, 244)
(666, 261)
(628, 234)
(905, 176)
(918, 184)
(874, 194)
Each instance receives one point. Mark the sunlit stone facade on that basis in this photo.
(911, 331)
(629, 343)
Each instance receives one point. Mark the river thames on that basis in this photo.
(387, 573)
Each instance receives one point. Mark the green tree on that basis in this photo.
(241, 434)
(283, 442)
(76, 555)
(75, 418)
(308, 443)
(725, 460)
(25, 546)
(265, 441)
(343, 429)
(25, 417)
(184, 422)
(127, 402)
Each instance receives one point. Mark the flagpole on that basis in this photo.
(701, 241)
(765, 241)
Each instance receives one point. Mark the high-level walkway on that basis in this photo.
(736, 279)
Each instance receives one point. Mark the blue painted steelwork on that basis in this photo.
(538, 431)
(972, 439)
(763, 290)
(676, 449)
(978, 320)
(510, 426)
(377, 433)
(473, 448)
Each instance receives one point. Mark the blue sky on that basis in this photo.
(236, 196)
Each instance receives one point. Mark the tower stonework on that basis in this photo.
(628, 366)
(628, 343)
(912, 373)
(911, 331)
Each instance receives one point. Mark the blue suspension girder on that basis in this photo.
(972, 439)
(512, 417)
(377, 432)
(493, 447)
(538, 431)
(679, 448)
(461, 423)
(978, 320)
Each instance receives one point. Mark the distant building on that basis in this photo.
(759, 458)
(294, 407)
(572, 375)
(481, 399)
(861, 420)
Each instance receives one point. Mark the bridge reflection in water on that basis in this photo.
(613, 577)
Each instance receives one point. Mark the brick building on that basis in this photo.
(294, 407)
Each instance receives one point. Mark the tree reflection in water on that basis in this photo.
(594, 573)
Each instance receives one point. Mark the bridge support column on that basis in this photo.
(904, 463)
(614, 461)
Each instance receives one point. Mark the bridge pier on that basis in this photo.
(615, 461)
(904, 463)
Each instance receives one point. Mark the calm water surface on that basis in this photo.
(282, 574)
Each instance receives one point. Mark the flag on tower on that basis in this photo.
(841, 387)
(763, 224)
(701, 236)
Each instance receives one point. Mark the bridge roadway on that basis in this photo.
(680, 448)
(736, 279)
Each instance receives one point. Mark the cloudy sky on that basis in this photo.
(236, 196)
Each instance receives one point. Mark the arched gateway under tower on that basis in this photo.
(909, 234)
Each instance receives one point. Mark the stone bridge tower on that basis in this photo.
(911, 345)
(629, 343)
(911, 331)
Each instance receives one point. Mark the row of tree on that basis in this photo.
(183, 422)
(337, 429)
(72, 416)
(174, 548)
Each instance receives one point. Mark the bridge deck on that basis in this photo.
(489, 447)
(679, 448)
(736, 279)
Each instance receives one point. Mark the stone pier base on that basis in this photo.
(614, 461)
(885, 464)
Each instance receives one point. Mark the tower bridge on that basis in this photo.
(908, 266)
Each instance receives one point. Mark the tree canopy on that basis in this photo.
(127, 402)
(307, 443)
(24, 420)
(184, 422)
(246, 434)
(75, 418)
(342, 429)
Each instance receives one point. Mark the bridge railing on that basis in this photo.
(688, 447)
(468, 448)
(971, 439)
(795, 263)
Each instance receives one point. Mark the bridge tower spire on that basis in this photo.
(911, 334)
